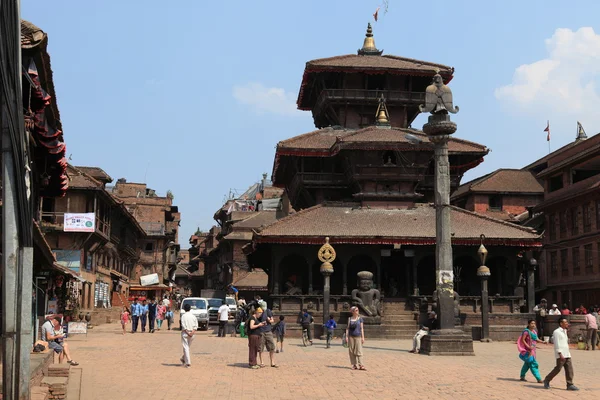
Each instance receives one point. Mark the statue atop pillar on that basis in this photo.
(367, 299)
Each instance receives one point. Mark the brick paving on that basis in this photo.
(147, 366)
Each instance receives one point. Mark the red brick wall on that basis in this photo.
(510, 203)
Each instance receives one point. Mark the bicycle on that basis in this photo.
(305, 340)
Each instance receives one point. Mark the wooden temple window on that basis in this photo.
(564, 262)
(552, 226)
(389, 158)
(562, 222)
(495, 202)
(574, 222)
(589, 259)
(576, 265)
(553, 265)
(597, 215)
(587, 217)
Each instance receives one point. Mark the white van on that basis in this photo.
(199, 308)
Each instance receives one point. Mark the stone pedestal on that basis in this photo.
(447, 342)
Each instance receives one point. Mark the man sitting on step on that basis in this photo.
(52, 333)
(428, 326)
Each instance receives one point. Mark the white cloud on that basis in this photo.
(266, 99)
(564, 85)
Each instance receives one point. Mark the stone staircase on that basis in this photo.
(397, 322)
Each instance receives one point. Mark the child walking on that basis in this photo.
(280, 333)
(330, 326)
(124, 318)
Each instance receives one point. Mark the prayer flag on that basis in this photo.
(376, 15)
(548, 130)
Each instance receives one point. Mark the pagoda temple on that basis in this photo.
(365, 179)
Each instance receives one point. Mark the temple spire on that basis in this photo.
(369, 48)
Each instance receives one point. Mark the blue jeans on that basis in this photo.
(143, 318)
(134, 322)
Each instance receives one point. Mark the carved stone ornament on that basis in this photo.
(438, 98)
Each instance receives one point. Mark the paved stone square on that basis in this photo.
(146, 366)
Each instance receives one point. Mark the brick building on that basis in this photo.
(237, 219)
(505, 194)
(160, 220)
(103, 257)
(570, 263)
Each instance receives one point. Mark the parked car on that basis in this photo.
(199, 308)
(213, 307)
(232, 306)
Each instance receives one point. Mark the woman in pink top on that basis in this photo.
(526, 346)
(161, 310)
(592, 331)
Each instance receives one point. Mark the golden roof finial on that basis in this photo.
(369, 48)
(382, 117)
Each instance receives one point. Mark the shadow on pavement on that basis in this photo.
(386, 349)
(172, 365)
(338, 367)
(238, 365)
(508, 379)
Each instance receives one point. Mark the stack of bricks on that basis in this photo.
(57, 387)
(59, 370)
(39, 393)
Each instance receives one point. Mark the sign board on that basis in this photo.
(148, 280)
(85, 222)
(77, 328)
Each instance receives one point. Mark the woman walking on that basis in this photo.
(254, 337)
(161, 310)
(355, 335)
(526, 345)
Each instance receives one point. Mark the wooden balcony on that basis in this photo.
(330, 179)
(56, 220)
(392, 97)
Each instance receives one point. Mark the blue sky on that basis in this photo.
(193, 96)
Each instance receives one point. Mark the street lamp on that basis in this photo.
(326, 255)
(483, 273)
(531, 284)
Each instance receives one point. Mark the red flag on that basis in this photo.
(548, 130)
(376, 14)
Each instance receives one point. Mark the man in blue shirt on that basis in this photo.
(144, 314)
(235, 292)
(136, 311)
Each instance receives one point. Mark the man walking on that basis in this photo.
(143, 314)
(189, 326)
(152, 315)
(266, 336)
(223, 313)
(562, 355)
(136, 311)
(592, 331)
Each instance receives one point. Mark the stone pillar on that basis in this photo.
(344, 277)
(413, 289)
(275, 274)
(531, 284)
(439, 127)
(310, 278)
(443, 248)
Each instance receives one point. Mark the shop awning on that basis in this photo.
(67, 271)
(160, 286)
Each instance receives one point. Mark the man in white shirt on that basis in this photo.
(189, 326)
(554, 310)
(223, 318)
(560, 338)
